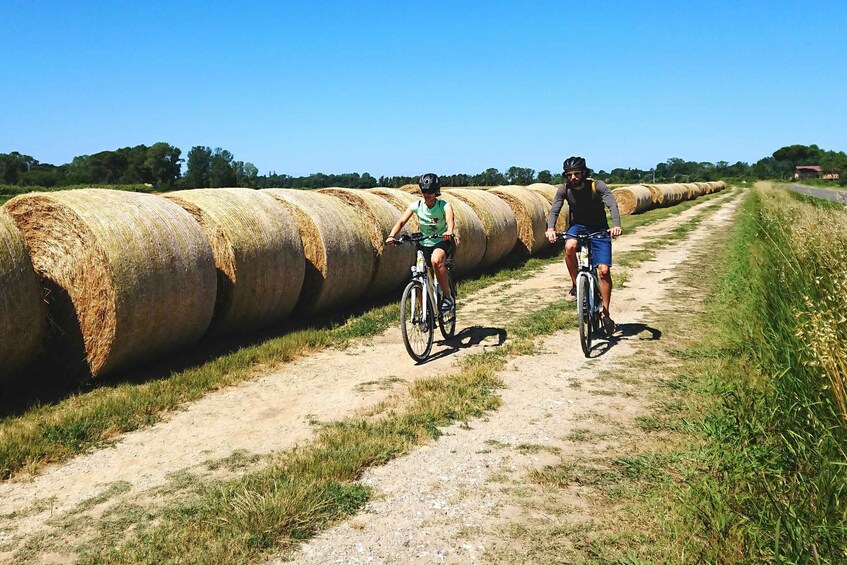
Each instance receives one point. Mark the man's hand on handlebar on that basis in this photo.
(551, 235)
(615, 231)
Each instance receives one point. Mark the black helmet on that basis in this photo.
(574, 163)
(430, 183)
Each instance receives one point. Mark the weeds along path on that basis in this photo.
(237, 427)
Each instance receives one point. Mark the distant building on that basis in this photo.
(807, 171)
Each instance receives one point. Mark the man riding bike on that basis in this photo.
(435, 217)
(587, 200)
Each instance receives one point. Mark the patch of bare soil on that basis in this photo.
(440, 502)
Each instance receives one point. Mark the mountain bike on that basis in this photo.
(420, 304)
(589, 304)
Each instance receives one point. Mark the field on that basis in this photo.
(509, 446)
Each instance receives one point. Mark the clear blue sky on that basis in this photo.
(399, 88)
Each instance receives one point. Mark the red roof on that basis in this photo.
(811, 167)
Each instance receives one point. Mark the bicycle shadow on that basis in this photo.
(641, 332)
(469, 337)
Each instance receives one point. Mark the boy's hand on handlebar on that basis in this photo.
(448, 235)
(391, 240)
(615, 231)
(551, 235)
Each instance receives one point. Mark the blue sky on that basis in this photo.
(396, 88)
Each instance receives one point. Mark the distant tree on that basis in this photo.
(221, 171)
(246, 174)
(199, 167)
(163, 163)
(491, 177)
(367, 181)
(545, 176)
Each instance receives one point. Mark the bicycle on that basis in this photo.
(589, 304)
(420, 304)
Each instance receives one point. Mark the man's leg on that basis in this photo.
(605, 276)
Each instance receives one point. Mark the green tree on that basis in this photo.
(199, 167)
(545, 176)
(163, 162)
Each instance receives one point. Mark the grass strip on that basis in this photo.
(306, 490)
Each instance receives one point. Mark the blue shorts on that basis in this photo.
(601, 247)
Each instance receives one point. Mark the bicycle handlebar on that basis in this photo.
(565, 235)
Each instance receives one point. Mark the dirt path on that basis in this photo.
(419, 514)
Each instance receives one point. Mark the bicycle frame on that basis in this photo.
(422, 273)
(587, 268)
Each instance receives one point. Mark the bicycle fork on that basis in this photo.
(420, 274)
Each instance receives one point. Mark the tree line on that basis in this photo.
(159, 167)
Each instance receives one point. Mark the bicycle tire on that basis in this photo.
(417, 334)
(583, 308)
(447, 320)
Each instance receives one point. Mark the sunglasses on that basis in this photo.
(574, 175)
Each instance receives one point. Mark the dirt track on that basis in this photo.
(435, 504)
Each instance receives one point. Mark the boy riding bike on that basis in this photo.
(435, 217)
(587, 200)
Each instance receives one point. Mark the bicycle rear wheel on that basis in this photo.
(586, 316)
(416, 322)
(447, 320)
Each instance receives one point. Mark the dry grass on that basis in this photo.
(130, 276)
(392, 262)
(528, 208)
(339, 256)
(498, 221)
(22, 312)
(258, 254)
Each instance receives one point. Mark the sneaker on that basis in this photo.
(446, 303)
(609, 325)
(571, 296)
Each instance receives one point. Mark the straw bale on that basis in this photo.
(339, 255)
(129, 276)
(410, 188)
(672, 193)
(399, 199)
(548, 192)
(633, 199)
(528, 208)
(656, 194)
(392, 265)
(22, 311)
(498, 222)
(258, 254)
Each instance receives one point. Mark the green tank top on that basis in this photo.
(433, 221)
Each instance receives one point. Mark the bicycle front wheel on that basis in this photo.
(586, 316)
(416, 322)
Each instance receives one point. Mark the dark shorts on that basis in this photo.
(601, 247)
(446, 244)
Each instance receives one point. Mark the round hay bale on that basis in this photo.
(548, 192)
(673, 193)
(22, 311)
(719, 185)
(339, 255)
(469, 235)
(528, 208)
(129, 276)
(498, 222)
(393, 262)
(633, 199)
(656, 195)
(258, 254)
(400, 200)
(410, 188)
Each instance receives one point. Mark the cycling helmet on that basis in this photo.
(574, 163)
(430, 183)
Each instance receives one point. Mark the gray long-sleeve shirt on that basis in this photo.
(586, 208)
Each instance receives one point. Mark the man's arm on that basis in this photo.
(612, 205)
(555, 209)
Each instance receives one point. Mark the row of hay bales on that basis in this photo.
(109, 279)
(640, 198)
(121, 278)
